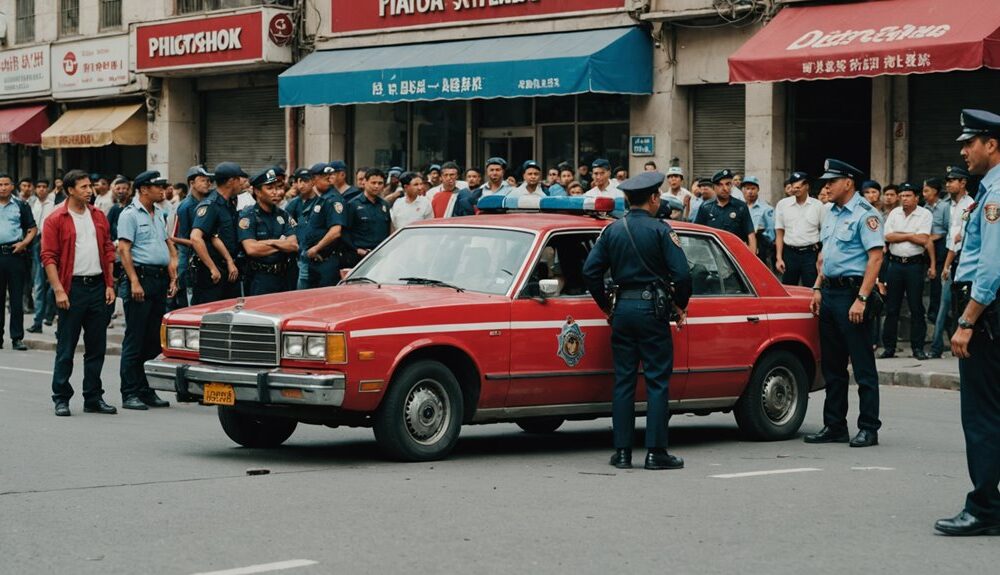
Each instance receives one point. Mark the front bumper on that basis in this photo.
(263, 385)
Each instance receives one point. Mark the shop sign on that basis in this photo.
(643, 146)
(362, 15)
(25, 71)
(98, 64)
(231, 39)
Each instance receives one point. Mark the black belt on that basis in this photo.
(89, 280)
(273, 269)
(803, 249)
(640, 294)
(843, 282)
(150, 271)
(8, 249)
(920, 259)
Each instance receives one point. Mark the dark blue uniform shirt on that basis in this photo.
(216, 216)
(328, 211)
(256, 224)
(734, 217)
(300, 210)
(368, 223)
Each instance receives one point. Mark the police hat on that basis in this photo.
(798, 177)
(119, 180)
(320, 169)
(434, 168)
(268, 176)
(195, 171)
(722, 175)
(957, 173)
(395, 170)
(675, 171)
(835, 170)
(601, 163)
(752, 180)
(278, 170)
(648, 182)
(228, 170)
(150, 178)
(530, 164)
(870, 184)
(301, 174)
(907, 187)
(337, 166)
(979, 123)
(496, 161)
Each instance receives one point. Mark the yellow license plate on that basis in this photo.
(219, 394)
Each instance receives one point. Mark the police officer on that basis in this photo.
(849, 263)
(797, 222)
(644, 255)
(267, 235)
(149, 263)
(326, 226)
(17, 231)
(726, 212)
(976, 342)
(199, 181)
(299, 210)
(369, 221)
(495, 180)
(214, 238)
(762, 215)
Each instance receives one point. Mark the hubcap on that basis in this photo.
(427, 412)
(779, 395)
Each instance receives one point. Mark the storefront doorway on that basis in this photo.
(516, 145)
(831, 119)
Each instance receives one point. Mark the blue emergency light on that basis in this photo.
(563, 204)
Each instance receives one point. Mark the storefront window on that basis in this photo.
(609, 141)
(555, 110)
(558, 145)
(381, 135)
(440, 133)
(505, 113)
(603, 107)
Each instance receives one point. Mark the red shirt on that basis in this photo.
(59, 243)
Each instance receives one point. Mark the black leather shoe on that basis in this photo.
(966, 524)
(660, 459)
(622, 459)
(18, 345)
(920, 355)
(153, 400)
(62, 409)
(99, 406)
(865, 438)
(36, 328)
(133, 402)
(48, 322)
(827, 435)
(886, 354)
(934, 355)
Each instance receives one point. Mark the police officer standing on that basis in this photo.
(645, 258)
(199, 181)
(369, 221)
(849, 263)
(797, 222)
(299, 210)
(762, 215)
(149, 263)
(17, 231)
(214, 238)
(728, 213)
(267, 235)
(976, 342)
(326, 227)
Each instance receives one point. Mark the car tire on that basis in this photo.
(540, 424)
(421, 415)
(774, 404)
(258, 431)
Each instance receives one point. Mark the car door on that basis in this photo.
(726, 321)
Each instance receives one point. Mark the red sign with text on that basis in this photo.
(200, 42)
(359, 15)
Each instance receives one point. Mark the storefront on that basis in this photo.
(215, 89)
(25, 87)
(551, 80)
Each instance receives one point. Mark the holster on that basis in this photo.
(662, 301)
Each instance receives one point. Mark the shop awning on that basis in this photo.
(23, 125)
(124, 125)
(872, 38)
(617, 61)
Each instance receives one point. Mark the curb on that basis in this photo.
(926, 379)
(50, 345)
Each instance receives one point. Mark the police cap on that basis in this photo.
(530, 164)
(195, 171)
(268, 176)
(907, 187)
(722, 175)
(434, 168)
(751, 180)
(301, 174)
(320, 169)
(675, 171)
(278, 170)
(871, 185)
(337, 166)
(957, 173)
(150, 178)
(119, 180)
(979, 123)
(496, 161)
(227, 171)
(798, 177)
(395, 171)
(601, 163)
(836, 170)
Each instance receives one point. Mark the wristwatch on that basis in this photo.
(862, 298)
(965, 324)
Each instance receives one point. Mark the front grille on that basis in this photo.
(239, 339)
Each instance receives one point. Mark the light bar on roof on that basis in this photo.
(564, 204)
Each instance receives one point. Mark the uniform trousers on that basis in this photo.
(12, 272)
(800, 266)
(942, 323)
(637, 335)
(980, 399)
(87, 312)
(940, 253)
(841, 340)
(180, 299)
(142, 330)
(904, 280)
(262, 283)
(325, 273)
(206, 292)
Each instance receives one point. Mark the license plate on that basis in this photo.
(219, 394)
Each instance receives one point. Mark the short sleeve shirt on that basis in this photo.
(957, 217)
(918, 222)
(327, 212)
(257, 224)
(146, 232)
(980, 261)
(734, 217)
(15, 221)
(801, 222)
(848, 233)
(216, 217)
(369, 222)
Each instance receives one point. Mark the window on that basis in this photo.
(25, 21)
(439, 128)
(712, 272)
(188, 6)
(381, 136)
(111, 14)
(562, 259)
(69, 17)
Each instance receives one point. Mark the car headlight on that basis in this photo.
(330, 347)
(192, 339)
(183, 338)
(316, 347)
(293, 346)
(175, 337)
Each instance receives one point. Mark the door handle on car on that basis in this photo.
(753, 319)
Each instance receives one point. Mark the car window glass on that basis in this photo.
(712, 272)
(562, 259)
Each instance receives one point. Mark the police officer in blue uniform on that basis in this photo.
(326, 227)
(645, 258)
(17, 231)
(149, 278)
(368, 220)
(214, 238)
(976, 342)
(728, 213)
(298, 210)
(267, 235)
(198, 181)
(849, 265)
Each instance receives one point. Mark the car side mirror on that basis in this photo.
(548, 288)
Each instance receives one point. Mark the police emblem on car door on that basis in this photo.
(571, 348)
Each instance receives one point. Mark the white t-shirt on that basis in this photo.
(956, 226)
(404, 212)
(801, 222)
(105, 202)
(918, 222)
(522, 190)
(42, 210)
(611, 191)
(87, 256)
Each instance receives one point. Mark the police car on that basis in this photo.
(486, 319)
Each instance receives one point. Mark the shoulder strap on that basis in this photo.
(642, 260)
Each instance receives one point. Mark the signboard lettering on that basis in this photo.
(99, 64)
(24, 71)
(821, 39)
(220, 40)
(643, 146)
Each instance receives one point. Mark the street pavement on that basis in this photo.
(165, 491)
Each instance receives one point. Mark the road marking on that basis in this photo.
(26, 370)
(263, 567)
(873, 469)
(759, 473)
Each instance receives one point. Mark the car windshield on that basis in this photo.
(474, 259)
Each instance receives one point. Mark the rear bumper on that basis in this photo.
(264, 385)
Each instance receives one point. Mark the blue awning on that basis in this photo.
(615, 61)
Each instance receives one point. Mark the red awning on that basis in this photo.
(872, 38)
(23, 125)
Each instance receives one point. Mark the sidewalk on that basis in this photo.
(47, 339)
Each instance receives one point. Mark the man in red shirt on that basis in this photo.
(451, 201)
(78, 257)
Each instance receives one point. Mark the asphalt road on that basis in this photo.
(166, 492)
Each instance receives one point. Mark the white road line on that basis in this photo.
(873, 469)
(759, 473)
(263, 567)
(25, 370)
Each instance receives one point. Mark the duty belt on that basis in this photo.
(920, 259)
(641, 294)
(843, 282)
(8, 249)
(150, 271)
(805, 249)
(273, 269)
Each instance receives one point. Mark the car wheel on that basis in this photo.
(774, 404)
(540, 424)
(421, 414)
(260, 431)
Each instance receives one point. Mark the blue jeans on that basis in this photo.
(937, 345)
(303, 279)
(45, 301)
